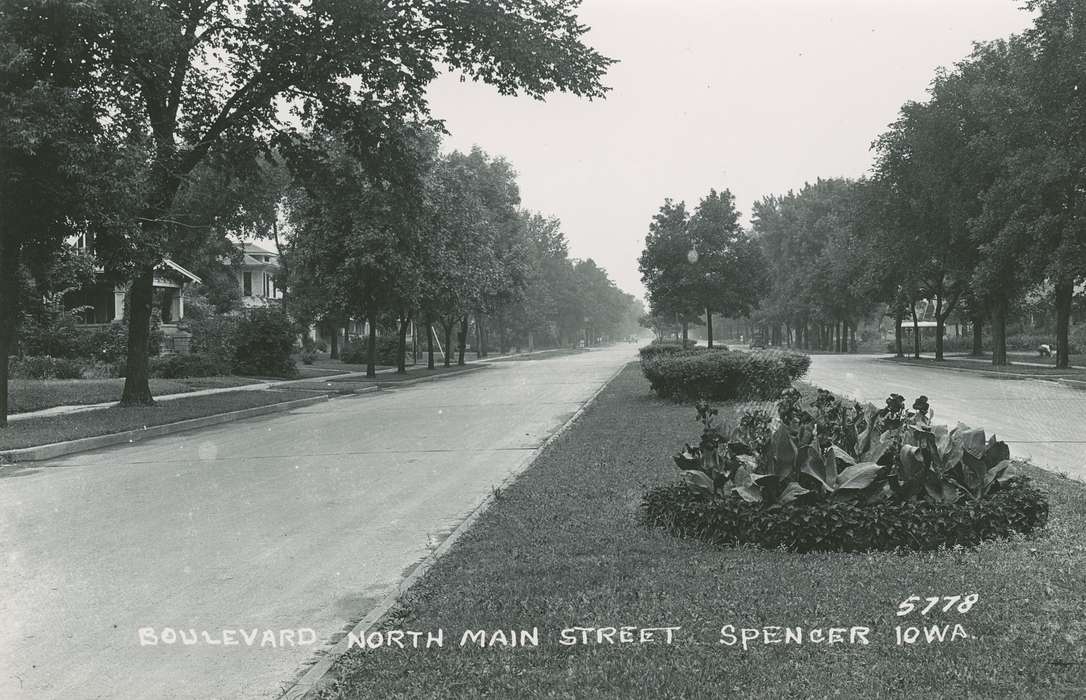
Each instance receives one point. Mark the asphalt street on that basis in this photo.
(1040, 420)
(291, 523)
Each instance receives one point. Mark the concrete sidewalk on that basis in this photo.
(261, 386)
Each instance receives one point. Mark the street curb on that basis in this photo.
(318, 674)
(987, 373)
(59, 449)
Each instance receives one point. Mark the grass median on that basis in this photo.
(33, 432)
(562, 548)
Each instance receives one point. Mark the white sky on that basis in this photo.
(758, 96)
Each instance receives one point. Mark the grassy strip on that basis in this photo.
(562, 547)
(971, 366)
(1035, 358)
(394, 377)
(36, 394)
(103, 421)
(541, 355)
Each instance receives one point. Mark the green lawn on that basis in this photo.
(102, 421)
(562, 547)
(35, 394)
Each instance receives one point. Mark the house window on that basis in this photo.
(247, 284)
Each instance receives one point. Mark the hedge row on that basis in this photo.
(845, 526)
(722, 375)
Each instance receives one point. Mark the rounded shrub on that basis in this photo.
(828, 525)
(264, 341)
(723, 375)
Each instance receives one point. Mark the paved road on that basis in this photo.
(1040, 420)
(297, 521)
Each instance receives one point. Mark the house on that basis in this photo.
(257, 273)
(103, 302)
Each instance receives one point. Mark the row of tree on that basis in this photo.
(977, 199)
(442, 243)
(112, 111)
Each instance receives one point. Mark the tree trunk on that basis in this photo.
(463, 340)
(447, 351)
(709, 326)
(334, 349)
(9, 316)
(429, 342)
(137, 390)
(939, 323)
(899, 316)
(916, 332)
(371, 349)
(401, 352)
(852, 337)
(685, 334)
(1065, 291)
(501, 334)
(478, 337)
(978, 336)
(999, 333)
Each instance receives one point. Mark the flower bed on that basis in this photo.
(826, 475)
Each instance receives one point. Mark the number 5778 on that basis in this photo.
(962, 604)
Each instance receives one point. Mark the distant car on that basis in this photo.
(1045, 350)
(757, 341)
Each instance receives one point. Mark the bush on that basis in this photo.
(190, 365)
(264, 342)
(829, 525)
(45, 367)
(216, 336)
(723, 375)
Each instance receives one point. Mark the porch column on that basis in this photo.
(118, 302)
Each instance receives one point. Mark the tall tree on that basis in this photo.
(204, 73)
(667, 266)
(726, 272)
(52, 148)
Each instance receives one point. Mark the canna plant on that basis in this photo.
(831, 449)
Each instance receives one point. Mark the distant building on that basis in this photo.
(257, 273)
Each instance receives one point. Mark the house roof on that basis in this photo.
(254, 249)
(177, 268)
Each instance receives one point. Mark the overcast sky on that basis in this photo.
(757, 96)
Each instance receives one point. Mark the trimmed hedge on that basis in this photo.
(722, 376)
(656, 349)
(845, 526)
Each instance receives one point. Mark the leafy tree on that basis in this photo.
(726, 271)
(195, 77)
(52, 147)
(666, 265)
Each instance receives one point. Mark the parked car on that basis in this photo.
(757, 340)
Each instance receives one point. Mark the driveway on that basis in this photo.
(1040, 420)
(293, 525)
